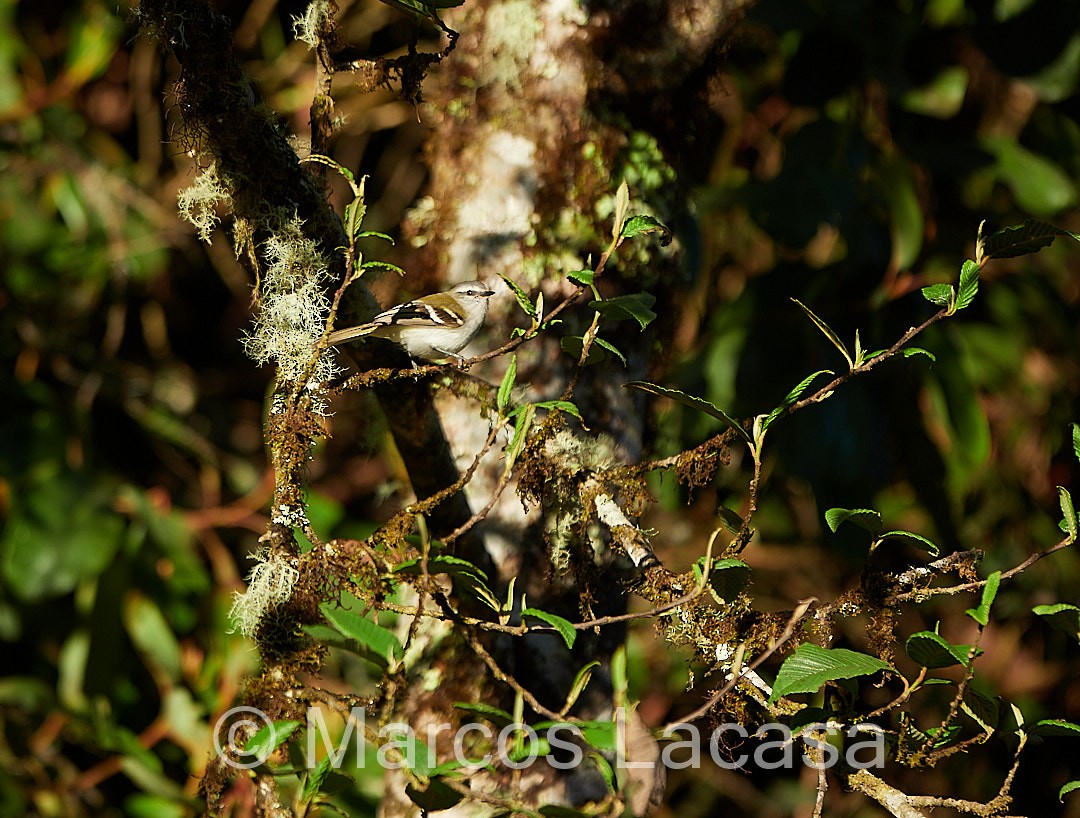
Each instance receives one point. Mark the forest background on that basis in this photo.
(841, 154)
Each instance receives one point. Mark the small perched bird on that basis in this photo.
(435, 326)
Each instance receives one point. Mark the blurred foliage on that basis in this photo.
(860, 145)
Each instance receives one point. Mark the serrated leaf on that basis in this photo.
(828, 332)
(911, 352)
(982, 708)
(1062, 617)
(940, 294)
(811, 666)
(640, 225)
(969, 284)
(931, 650)
(865, 518)
(1066, 789)
(700, 404)
(1076, 440)
(385, 265)
(381, 642)
(521, 433)
(563, 626)
(990, 589)
(1068, 511)
(522, 297)
(314, 779)
(502, 400)
(911, 538)
(374, 234)
(1021, 239)
(1056, 728)
(633, 305)
(269, 737)
(583, 277)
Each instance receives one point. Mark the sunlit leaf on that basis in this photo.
(811, 666)
(700, 404)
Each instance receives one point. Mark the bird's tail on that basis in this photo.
(340, 336)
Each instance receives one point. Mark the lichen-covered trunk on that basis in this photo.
(544, 107)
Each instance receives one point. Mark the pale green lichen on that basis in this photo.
(293, 306)
(270, 583)
(307, 28)
(199, 204)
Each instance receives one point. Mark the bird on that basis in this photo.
(436, 326)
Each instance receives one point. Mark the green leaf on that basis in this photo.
(522, 297)
(463, 573)
(437, 795)
(1066, 789)
(917, 540)
(151, 634)
(811, 666)
(581, 681)
(1019, 240)
(521, 433)
(583, 277)
(728, 577)
(940, 294)
(494, 714)
(1076, 440)
(897, 182)
(314, 779)
(610, 348)
(863, 517)
(269, 738)
(640, 225)
(507, 385)
(382, 644)
(634, 305)
(382, 265)
(1062, 617)
(1068, 511)
(793, 396)
(1040, 186)
(563, 626)
(827, 331)
(573, 345)
(911, 352)
(1058, 728)
(374, 234)
(700, 404)
(969, 284)
(930, 650)
(622, 205)
(982, 708)
(730, 520)
(440, 564)
(562, 405)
